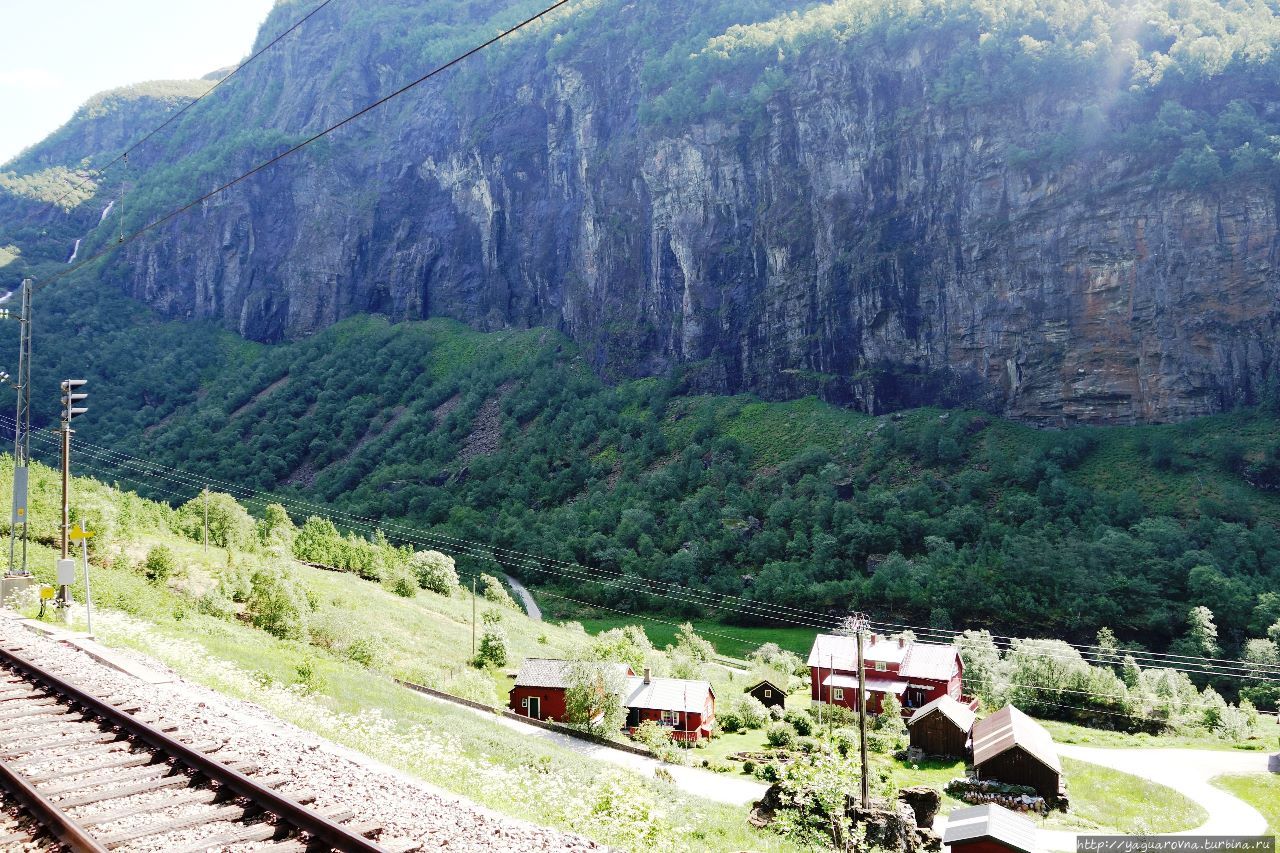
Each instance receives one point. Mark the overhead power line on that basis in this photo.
(129, 238)
(1233, 669)
(1011, 685)
(124, 155)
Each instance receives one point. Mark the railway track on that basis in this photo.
(81, 773)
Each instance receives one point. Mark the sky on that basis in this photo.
(56, 54)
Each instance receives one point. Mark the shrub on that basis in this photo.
(277, 604)
(400, 581)
(436, 572)
(749, 766)
(492, 590)
(366, 651)
(491, 617)
(493, 648)
(160, 564)
(780, 735)
(801, 721)
(752, 712)
(214, 603)
(729, 720)
(776, 713)
(651, 734)
(308, 678)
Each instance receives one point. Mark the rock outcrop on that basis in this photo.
(854, 237)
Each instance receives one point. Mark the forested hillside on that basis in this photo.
(945, 519)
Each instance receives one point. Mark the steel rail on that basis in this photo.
(317, 826)
(55, 821)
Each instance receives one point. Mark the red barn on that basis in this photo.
(989, 828)
(916, 673)
(541, 684)
(688, 708)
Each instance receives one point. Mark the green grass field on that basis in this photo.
(730, 640)
(1105, 799)
(1258, 741)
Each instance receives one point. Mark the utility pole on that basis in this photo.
(473, 617)
(206, 519)
(860, 626)
(66, 568)
(21, 431)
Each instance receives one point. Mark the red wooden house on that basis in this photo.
(540, 686)
(688, 708)
(916, 673)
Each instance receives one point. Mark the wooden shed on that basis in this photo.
(1011, 747)
(769, 694)
(942, 727)
(989, 829)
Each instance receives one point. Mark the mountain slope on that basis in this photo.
(1063, 212)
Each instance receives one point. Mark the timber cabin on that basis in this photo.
(1011, 747)
(769, 694)
(916, 673)
(989, 828)
(942, 728)
(686, 707)
(539, 690)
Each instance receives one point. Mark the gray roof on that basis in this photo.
(667, 694)
(990, 821)
(934, 661)
(1009, 727)
(551, 672)
(960, 714)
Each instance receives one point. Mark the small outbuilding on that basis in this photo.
(686, 707)
(769, 694)
(1010, 747)
(942, 727)
(989, 828)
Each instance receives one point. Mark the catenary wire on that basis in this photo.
(619, 582)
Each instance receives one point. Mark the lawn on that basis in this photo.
(730, 640)
(1260, 791)
(1261, 739)
(1109, 800)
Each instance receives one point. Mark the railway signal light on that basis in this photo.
(71, 398)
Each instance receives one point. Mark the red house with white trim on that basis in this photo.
(540, 687)
(686, 707)
(916, 673)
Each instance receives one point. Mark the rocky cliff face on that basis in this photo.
(853, 238)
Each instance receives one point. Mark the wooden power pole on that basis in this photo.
(860, 625)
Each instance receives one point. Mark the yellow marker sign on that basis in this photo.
(46, 592)
(80, 534)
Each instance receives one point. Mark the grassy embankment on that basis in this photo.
(1261, 792)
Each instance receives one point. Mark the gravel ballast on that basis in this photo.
(406, 808)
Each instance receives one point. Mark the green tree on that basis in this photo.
(230, 525)
(436, 572)
(276, 528)
(277, 603)
(492, 651)
(491, 589)
(593, 700)
(318, 541)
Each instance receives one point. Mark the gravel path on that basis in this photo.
(530, 606)
(406, 808)
(720, 787)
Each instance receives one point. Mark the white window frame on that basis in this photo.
(881, 666)
(837, 694)
(768, 694)
(669, 718)
(524, 703)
